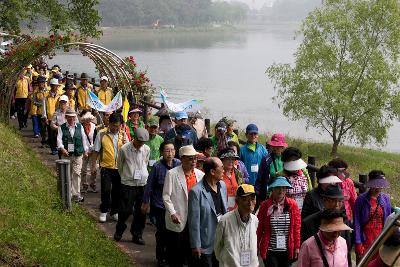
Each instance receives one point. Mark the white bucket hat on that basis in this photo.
(63, 98)
(187, 151)
(54, 81)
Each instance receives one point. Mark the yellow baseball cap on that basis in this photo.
(245, 190)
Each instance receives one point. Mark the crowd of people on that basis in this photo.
(213, 201)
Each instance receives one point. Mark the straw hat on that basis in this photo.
(187, 151)
(333, 225)
(70, 113)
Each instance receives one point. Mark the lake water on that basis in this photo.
(225, 69)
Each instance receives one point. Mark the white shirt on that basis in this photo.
(132, 164)
(72, 132)
(233, 237)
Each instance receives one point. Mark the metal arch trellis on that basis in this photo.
(107, 62)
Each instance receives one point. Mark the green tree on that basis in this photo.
(62, 16)
(345, 75)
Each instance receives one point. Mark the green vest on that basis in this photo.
(76, 140)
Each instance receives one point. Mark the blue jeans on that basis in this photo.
(35, 124)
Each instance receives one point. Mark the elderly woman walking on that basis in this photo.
(370, 212)
(278, 232)
(232, 177)
(87, 120)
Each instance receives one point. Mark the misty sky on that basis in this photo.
(255, 4)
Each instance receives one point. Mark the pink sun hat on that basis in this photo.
(278, 139)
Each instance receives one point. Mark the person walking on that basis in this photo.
(132, 166)
(278, 232)
(332, 199)
(50, 105)
(82, 93)
(104, 92)
(73, 145)
(370, 212)
(236, 238)
(153, 201)
(326, 248)
(178, 182)
(313, 200)
(154, 142)
(270, 166)
(231, 177)
(90, 134)
(349, 191)
(21, 95)
(207, 204)
(252, 152)
(106, 148)
(134, 121)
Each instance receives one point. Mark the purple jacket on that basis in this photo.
(362, 210)
(155, 183)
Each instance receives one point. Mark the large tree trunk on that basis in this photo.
(334, 148)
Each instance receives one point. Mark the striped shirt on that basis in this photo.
(279, 231)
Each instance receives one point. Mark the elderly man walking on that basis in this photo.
(132, 167)
(178, 182)
(236, 237)
(207, 204)
(73, 145)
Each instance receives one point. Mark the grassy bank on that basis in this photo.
(360, 160)
(33, 228)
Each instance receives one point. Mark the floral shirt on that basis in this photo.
(299, 183)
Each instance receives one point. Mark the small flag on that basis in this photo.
(125, 110)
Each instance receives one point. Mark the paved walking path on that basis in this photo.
(141, 255)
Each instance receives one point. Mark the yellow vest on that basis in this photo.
(71, 103)
(105, 96)
(37, 96)
(107, 158)
(22, 88)
(33, 108)
(51, 105)
(82, 97)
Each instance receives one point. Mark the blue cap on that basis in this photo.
(280, 181)
(181, 115)
(252, 128)
(41, 79)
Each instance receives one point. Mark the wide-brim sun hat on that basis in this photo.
(334, 225)
(329, 180)
(294, 165)
(187, 151)
(378, 182)
(280, 181)
(278, 140)
(389, 255)
(70, 113)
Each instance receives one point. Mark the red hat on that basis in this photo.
(278, 139)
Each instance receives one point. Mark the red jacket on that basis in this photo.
(264, 227)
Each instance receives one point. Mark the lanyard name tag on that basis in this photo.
(254, 168)
(245, 258)
(231, 202)
(151, 162)
(280, 241)
(71, 147)
(299, 201)
(138, 175)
